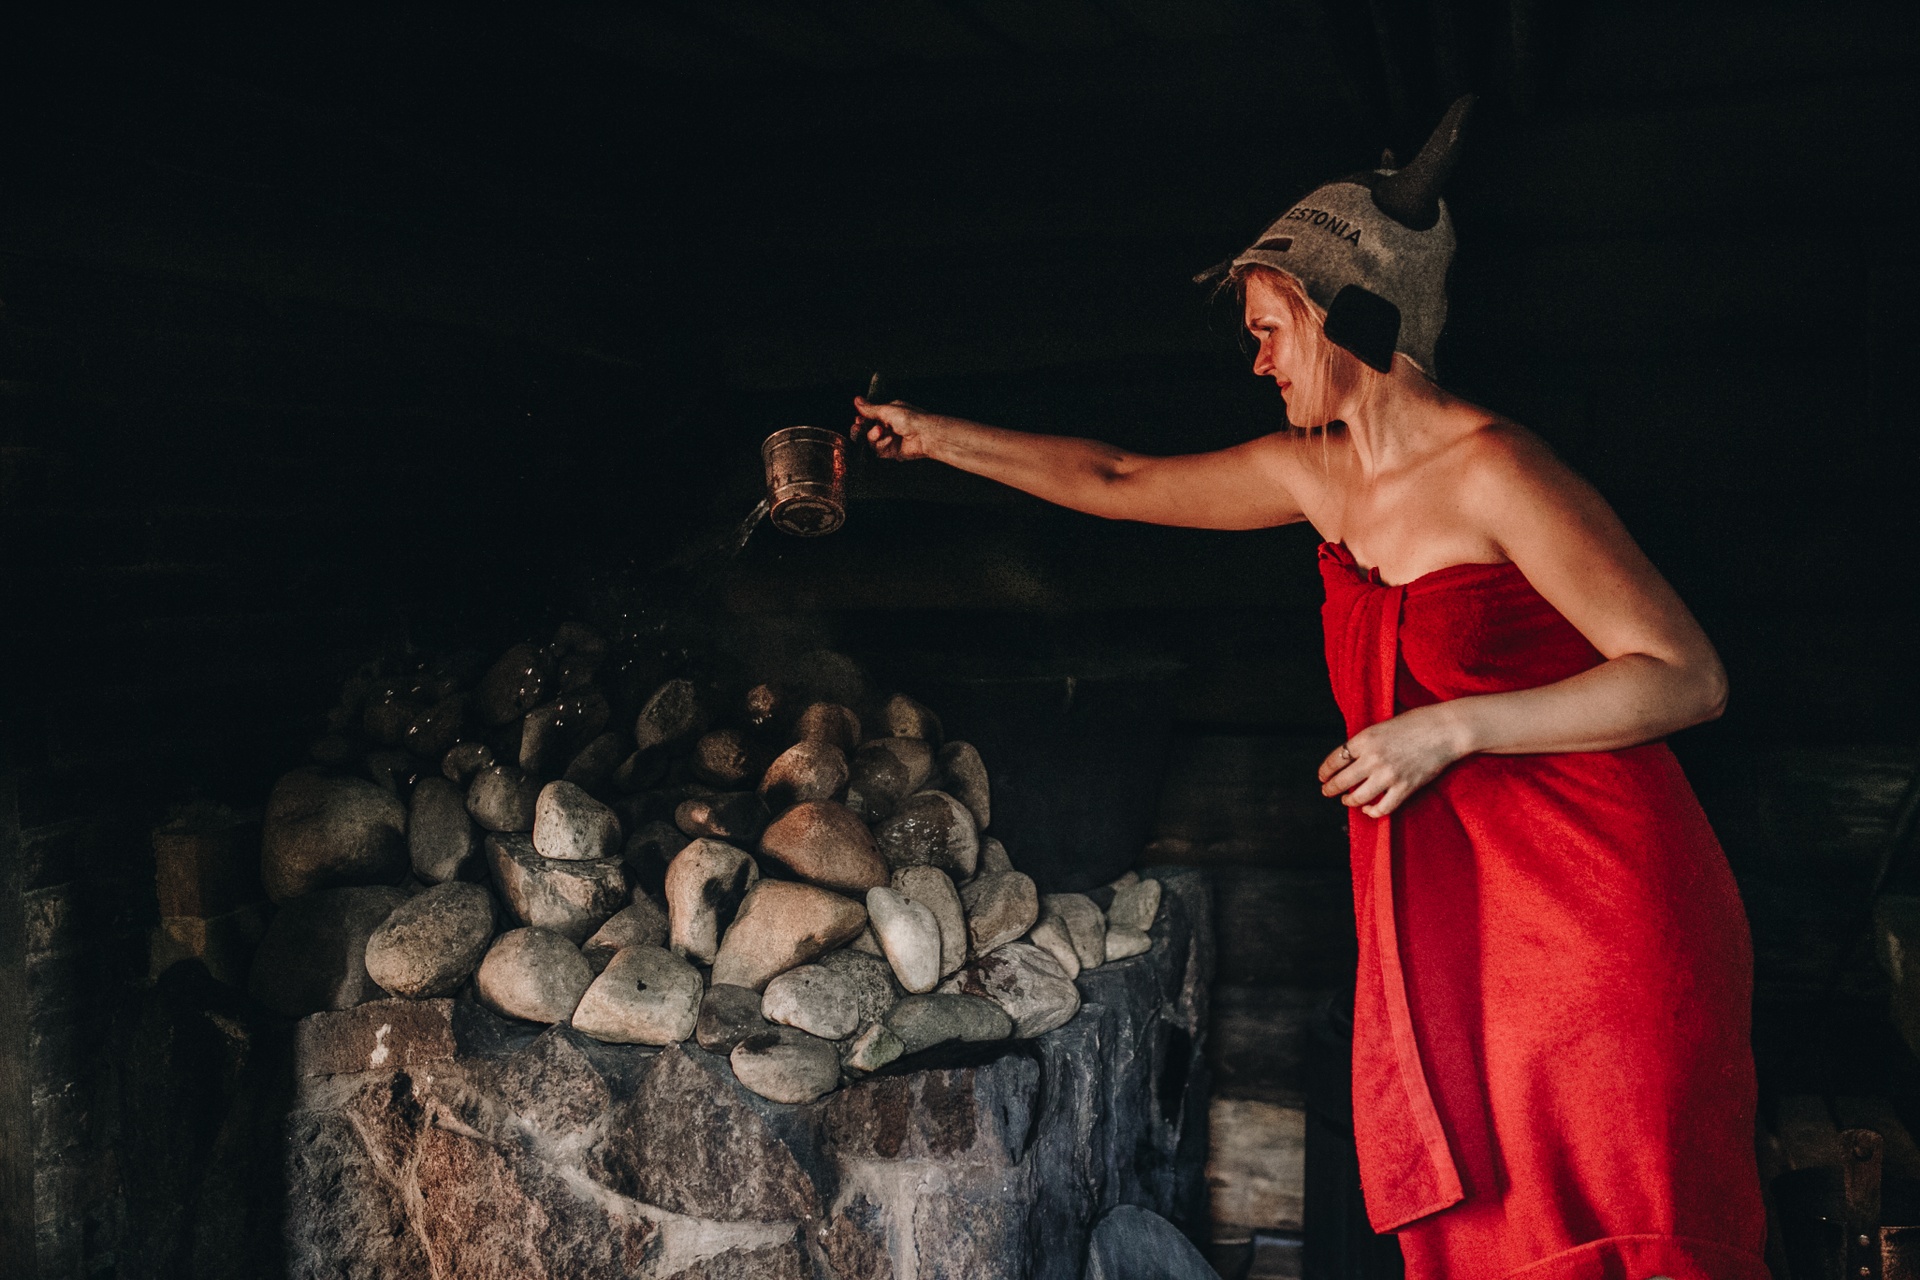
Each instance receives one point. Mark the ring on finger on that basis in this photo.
(1346, 752)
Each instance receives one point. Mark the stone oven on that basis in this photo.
(598, 976)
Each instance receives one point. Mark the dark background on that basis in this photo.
(327, 335)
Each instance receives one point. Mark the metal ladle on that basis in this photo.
(807, 476)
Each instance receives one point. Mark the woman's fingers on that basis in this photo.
(1368, 791)
(884, 426)
(1386, 804)
(1339, 758)
(1345, 779)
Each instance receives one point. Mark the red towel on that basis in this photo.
(1552, 1075)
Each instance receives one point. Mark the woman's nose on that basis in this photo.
(1262, 361)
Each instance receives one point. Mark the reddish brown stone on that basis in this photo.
(488, 1214)
(551, 1087)
(824, 842)
(347, 1211)
(388, 1117)
(854, 1245)
(780, 1262)
(933, 1115)
(717, 1158)
(782, 925)
(383, 1035)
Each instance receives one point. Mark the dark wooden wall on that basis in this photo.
(328, 336)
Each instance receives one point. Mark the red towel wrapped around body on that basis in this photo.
(1552, 1076)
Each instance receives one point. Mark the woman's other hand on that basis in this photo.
(897, 430)
(1378, 768)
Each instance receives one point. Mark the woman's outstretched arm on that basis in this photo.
(1245, 487)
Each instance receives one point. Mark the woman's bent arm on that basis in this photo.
(1245, 487)
(1660, 675)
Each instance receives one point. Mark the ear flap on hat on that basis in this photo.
(1366, 324)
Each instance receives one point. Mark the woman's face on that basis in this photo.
(1273, 319)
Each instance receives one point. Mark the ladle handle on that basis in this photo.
(873, 396)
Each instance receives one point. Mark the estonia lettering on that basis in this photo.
(1339, 226)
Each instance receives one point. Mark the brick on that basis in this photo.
(207, 862)
(382, 1035)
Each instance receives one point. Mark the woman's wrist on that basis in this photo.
(934, 436)
(1460, 727)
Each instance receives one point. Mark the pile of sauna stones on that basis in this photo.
(804, 883)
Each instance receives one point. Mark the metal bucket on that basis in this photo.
(806, 480)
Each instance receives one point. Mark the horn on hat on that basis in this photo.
(1411, 196)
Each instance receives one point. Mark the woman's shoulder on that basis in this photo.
(1510, 481)
(1501, 455)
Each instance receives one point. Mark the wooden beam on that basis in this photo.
(16, 1083)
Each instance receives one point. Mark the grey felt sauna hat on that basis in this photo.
(1372, 249)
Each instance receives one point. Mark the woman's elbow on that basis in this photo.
(1712, 689)
(1119, 487)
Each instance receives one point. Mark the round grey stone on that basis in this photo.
(815, 999)
(672, 713)
(502, 798)
(930, 829)
(320, 832)
(933, 889)
(728, 1015)
(705, 884)
(924, 1021)
(593, 767)
(640, 924)
(432, 942)
(571, 825)
(1085, 925)
(910, 935)
(966, 776)
(736, 816)
(868, 977)
(1025, 981)
(1051, 937)
(785, 1064)
(463, 760)
(442, 840)
(647, 995)
(1135, 905)
(1000, 907)
(512, 686)
(1132, 1243)
(534, 974)
(906, 718)
(571, 898)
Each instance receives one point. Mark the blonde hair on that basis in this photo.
(1344, 378)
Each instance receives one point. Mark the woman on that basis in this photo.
(1552, 1075)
